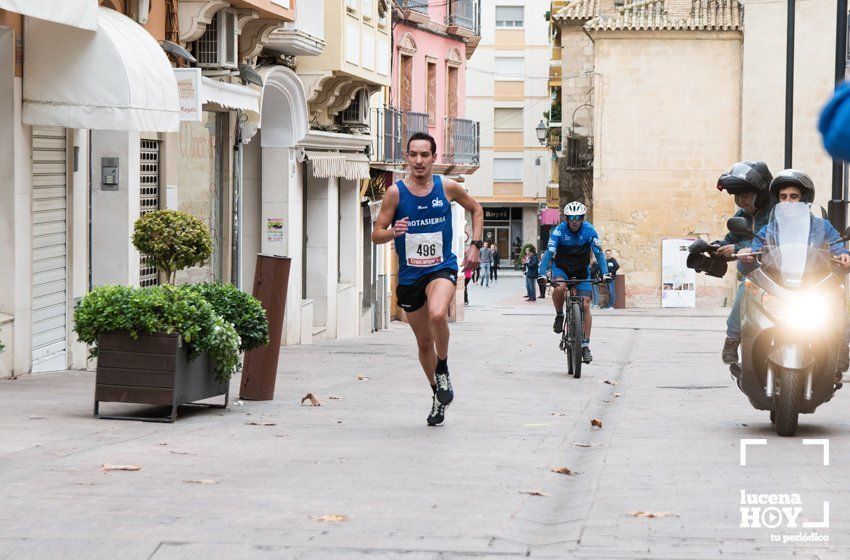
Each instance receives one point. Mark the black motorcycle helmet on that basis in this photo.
(794, 178)
(748, 176)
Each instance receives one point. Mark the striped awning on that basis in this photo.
(334, 164)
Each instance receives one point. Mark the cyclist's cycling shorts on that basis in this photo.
(585, 289)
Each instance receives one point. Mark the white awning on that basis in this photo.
(76, 13)
(115, 79)
(333, 164)
(230, 96)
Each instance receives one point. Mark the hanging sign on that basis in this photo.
(189, 91)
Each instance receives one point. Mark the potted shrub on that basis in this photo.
(168, 345)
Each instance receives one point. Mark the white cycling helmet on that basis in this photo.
(575, 208)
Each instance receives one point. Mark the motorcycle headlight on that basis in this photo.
(800, 313)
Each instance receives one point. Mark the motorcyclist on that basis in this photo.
(749, 183)
(792, 185)
(570, 243)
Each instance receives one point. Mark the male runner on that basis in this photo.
(419, 210)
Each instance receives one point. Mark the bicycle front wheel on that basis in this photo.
(576, 336)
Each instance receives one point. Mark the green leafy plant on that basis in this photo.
(173, 240)
(160, 310)
(243, 311)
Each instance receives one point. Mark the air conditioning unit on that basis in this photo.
(357, 114)
(218, 47)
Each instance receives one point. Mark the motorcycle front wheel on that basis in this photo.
(786, 404)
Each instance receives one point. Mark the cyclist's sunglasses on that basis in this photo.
(575, 218)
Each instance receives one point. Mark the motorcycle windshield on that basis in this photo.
(789, 256)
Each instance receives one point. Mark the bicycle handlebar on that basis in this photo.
(571, 281)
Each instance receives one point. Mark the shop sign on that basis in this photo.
(189, 91)
(497, 214)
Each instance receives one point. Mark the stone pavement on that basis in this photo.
(669, 444)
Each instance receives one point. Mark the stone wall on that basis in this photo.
(667, 123)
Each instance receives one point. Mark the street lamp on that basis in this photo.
(542, 132)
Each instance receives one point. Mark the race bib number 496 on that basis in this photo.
(423, 249)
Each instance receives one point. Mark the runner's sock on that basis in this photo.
(585, 342)
(442, 366)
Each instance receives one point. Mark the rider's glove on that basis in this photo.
(607, 278)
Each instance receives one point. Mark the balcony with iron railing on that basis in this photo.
(390, 148)
(464, 15)
(463, 142)
(419, 6)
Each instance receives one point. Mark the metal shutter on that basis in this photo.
(49, 249)
(148, 202)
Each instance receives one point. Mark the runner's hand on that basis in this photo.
(400, 227)
(471, 258)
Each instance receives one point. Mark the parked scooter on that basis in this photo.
(792, 319)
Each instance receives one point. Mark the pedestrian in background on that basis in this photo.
(467, 276)
(530, 263)
(613, 267)
(486, 261)
(494, 266)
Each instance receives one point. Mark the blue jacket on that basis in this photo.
(574, 247)
(761, 220)
(821, 234)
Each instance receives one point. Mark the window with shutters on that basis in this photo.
(507, 118)
(509, 16)
(507, 169)
(509, 67)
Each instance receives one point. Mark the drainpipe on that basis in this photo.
(236, 264)
(789, 85)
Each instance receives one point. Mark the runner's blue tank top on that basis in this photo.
(427, 245)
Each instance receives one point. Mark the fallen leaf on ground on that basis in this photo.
(107, 467)
(596, 422)
(582, 444)
(534, 492)
(559, 414)
(330, 517)
(609, 382)
(651, 514)
(204, 481)
(312, 398)
(260, 424)
(618, 394)
(335, 398)
(362, 378)
(562, 470)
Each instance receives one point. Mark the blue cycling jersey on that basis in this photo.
(571, 251)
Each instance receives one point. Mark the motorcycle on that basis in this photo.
(792, 319)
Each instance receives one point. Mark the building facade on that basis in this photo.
(508, 93)
(664, 97)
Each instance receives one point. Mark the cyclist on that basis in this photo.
(570, 243)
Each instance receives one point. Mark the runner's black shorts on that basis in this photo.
(412, 296)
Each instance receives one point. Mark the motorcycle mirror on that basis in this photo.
(740, 226)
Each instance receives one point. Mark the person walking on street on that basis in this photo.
(531, 263)
(486, 256)
(467, 276)
(416, 215)
(613, 267)
(494, 266)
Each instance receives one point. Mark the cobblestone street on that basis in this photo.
(265, 479)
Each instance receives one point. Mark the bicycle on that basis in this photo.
(573, 332)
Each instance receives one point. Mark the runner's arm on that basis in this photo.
(382, 233)
(456, 193)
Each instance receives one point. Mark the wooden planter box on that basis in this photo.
(154, 370)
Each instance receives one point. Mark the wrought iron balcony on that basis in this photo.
(465, 14)
(390, 142)
(414, 122)
(463, 141)
(579, 152)
(420, 6)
